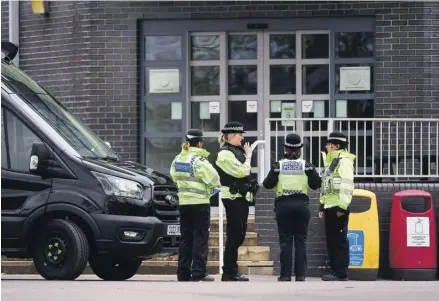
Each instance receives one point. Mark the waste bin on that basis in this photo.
(412, 239)
(364, 238)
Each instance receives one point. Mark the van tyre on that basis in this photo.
(61, 250)
(111, 269)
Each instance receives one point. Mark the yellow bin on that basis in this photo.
(364, 239)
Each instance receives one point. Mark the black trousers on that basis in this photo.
(336, 230)
(237, 217)
(292, 217)
(194, 248)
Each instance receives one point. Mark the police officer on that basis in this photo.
(197, 180)
(291, 178)
(335, 198)
(233, 165)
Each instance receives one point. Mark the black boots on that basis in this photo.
(236, 277)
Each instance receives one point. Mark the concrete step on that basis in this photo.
(151, 267)
(245, 253)
(214, 224)
(251, 239)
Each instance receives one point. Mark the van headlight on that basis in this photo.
(122, 187)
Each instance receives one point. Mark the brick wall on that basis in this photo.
(316, 248)
(86, 53)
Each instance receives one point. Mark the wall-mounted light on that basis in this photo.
(40, 7)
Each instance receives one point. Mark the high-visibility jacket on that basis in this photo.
(232, 166)
(195, 177)
(292, 178)
(337, 180)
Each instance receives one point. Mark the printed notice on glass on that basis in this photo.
(355, 78)
(214, 107)
(288, 111)
(252, 106)
(307, 106)
(418, 232)
(164, 81)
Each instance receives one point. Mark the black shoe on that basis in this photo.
(203, 279)
(284, 278)
(236, 277)
(183, 279)
(333, 277)
(300, 278)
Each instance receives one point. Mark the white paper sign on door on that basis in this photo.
(307, 106)
(252, 106)
(214, 107)
(418, 232)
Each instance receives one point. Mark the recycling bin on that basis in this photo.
(412, 239)
(364, 239)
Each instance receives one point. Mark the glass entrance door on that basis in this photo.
(296, 84)
(250, 76)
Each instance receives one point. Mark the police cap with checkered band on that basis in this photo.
(233, 127)
(194, 135)
(293, 141)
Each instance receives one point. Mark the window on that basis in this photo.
(17, 141)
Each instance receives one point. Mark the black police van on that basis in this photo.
(67, 197)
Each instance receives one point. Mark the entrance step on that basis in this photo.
(214, 224)
(251, 239)
(152, 267)
(245, 253)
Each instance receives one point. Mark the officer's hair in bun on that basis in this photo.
(188, 144)
(223, 138)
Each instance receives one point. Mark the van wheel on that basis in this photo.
(61, 250)
(116, 270)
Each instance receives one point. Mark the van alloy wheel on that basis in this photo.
(56, 251)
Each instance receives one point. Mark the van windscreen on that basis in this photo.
(72, 129)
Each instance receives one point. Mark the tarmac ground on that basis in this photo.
(164, 288)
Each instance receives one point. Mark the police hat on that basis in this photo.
(337, 138)
(233, 127)
(194, 135)
(293, 141)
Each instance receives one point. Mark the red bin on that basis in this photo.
(412, 239)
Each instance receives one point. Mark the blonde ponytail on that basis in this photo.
(186, 146)
(221, 139)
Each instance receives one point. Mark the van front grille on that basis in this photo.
(166, 210)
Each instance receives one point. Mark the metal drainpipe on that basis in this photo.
(14, 26)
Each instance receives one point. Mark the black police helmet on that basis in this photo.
(194, 135)
(233, 127)
(338, 138)
(293, 141)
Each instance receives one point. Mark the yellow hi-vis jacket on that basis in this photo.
(195, 177)
(338, 183)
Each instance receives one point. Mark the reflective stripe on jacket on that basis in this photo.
(292, 178)
(338, 184)
(195, 176)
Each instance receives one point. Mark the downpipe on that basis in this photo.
(14, 27)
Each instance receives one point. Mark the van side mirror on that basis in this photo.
(39, 157)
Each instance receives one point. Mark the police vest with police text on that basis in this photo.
(292, 178)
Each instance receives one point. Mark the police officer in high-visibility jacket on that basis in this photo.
(197, 180)
(237, 190)
(335, 198)
(291, 178)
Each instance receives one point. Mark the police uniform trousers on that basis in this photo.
(292, 217)
(236, 230)
(194, 247)
(336, 229)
